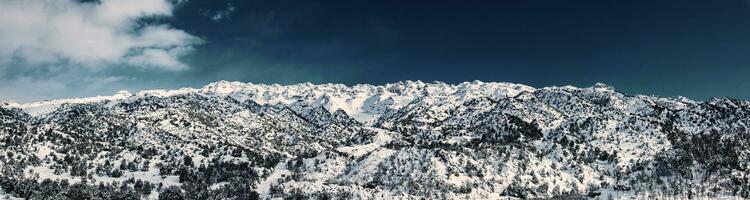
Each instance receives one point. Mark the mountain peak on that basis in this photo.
(602, 86)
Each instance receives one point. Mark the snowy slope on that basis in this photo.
(403, 140)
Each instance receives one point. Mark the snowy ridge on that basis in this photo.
(365, 102)
(406, 140)
(43, 107)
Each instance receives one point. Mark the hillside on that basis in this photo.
(406, 140)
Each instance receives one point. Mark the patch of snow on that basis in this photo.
(44, 107)
(381, 138)
(264, 187)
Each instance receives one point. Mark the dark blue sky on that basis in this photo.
(692, 48)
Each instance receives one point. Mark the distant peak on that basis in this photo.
(223, 87)
(8, 103)
(602, 86)
(124, 93)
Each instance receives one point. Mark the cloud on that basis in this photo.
(223, 13)
(219, 15)
(92, 34)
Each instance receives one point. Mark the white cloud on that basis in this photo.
(90, 34)
(223, 14)
(159, 57)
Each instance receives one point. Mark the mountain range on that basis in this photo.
(406, 140)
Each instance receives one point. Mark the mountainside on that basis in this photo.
(408, 140)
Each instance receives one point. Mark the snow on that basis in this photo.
(4, 196)
(152, 175)
(164, 93)
(381, 138)
(369, 165)
(44, 107)
(365, 103)
(606, 194)
(264, 187)
(217, 186)
(616, 123)
(42, 151)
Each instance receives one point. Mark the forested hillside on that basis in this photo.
(407, 140)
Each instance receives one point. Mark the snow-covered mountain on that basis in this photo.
(407, 140)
